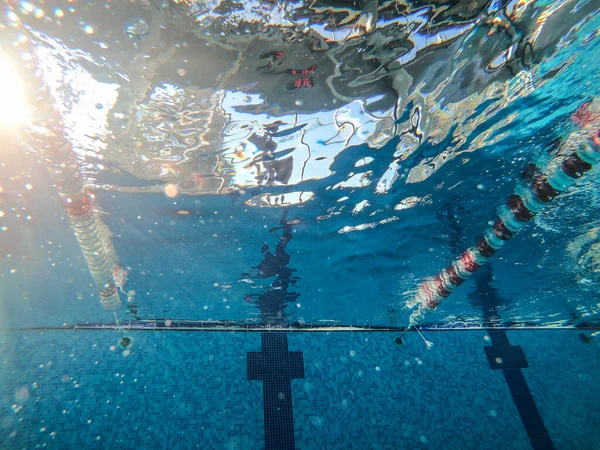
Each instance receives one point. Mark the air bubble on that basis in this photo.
(22, 394)
(137, 28)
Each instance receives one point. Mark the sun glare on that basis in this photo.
(13, 109)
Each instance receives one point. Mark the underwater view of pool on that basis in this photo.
(361, 224)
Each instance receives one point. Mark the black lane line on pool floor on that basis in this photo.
(276, 367)
(511, 359)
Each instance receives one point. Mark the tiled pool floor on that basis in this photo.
(230, 390)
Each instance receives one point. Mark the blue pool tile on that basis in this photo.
(360, 390)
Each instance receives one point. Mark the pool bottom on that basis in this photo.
(346, 390)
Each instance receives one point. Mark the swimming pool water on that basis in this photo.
(266, 196)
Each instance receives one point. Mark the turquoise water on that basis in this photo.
(266, 167)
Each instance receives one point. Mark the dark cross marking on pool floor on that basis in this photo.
(510, 359)
(276, 367)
